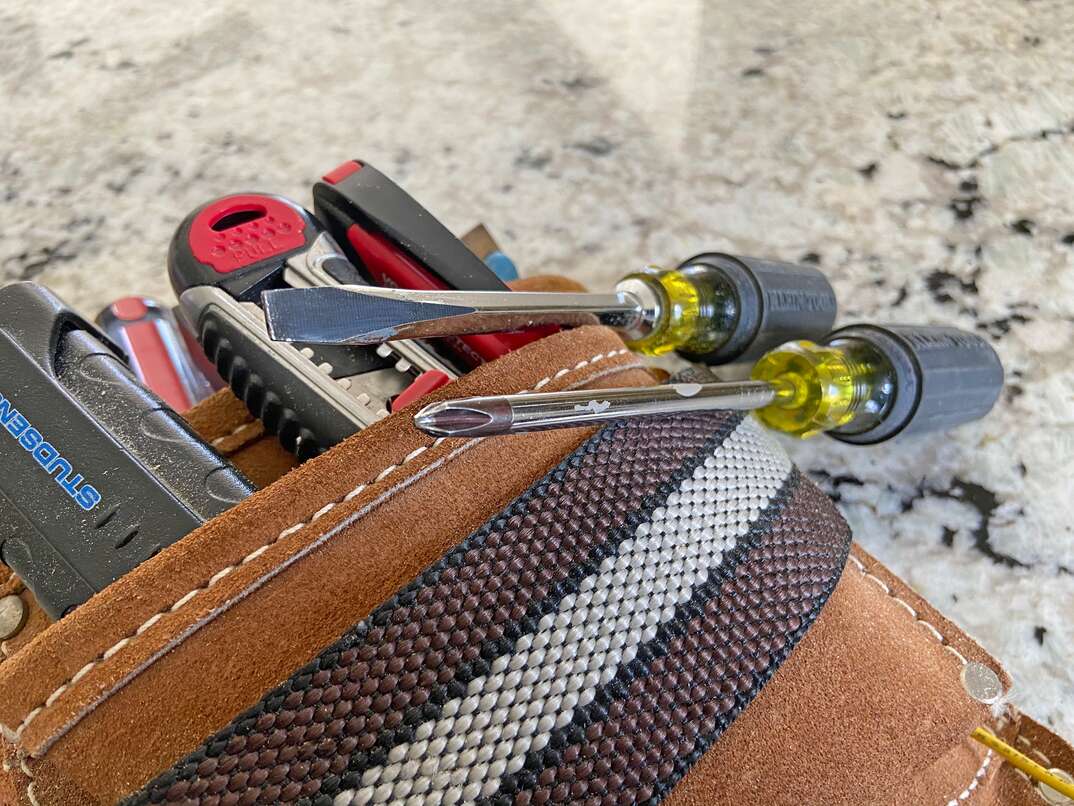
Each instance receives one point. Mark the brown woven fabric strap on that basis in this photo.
(585, 646)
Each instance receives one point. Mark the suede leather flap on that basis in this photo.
(335, 537)
(869, 707)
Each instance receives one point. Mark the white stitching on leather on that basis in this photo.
(346, 523)
(30, 794)
(956, 653)
(34, 713)
(216, 443)
(977, 778)
(913, 613)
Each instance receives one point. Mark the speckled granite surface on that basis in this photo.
(921, 152)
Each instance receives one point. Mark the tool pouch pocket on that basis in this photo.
(662, 610)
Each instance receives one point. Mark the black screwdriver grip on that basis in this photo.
(255, 377)
(944, 377)
(776, 302)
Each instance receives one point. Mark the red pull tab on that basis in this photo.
(130, 309)
(239, 231)
(341, 172)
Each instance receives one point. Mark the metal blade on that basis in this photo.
(370, 315)
(539, 411)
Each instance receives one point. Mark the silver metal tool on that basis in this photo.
(12, 616)
(335, 399)
(714, 309)
(351, 314)
(309, 271)
(863, 384)
(509, 414)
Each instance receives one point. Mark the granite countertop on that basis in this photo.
(921, 153)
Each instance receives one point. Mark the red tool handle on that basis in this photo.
(390, 267)
(158, 353)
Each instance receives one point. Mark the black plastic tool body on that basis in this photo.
(367, 198)
(241, 245)
(98, 473)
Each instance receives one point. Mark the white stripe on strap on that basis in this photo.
(512, 711)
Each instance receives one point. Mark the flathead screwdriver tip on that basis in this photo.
(327, 315)
(352, 314)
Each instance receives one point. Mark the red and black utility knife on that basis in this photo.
(228, 251)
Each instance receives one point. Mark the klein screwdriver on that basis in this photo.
(862, 384)
(715, 308)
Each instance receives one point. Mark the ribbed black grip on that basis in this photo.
(776, 302)
(249, 387)
(944, 377)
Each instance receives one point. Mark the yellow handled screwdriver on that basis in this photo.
(714, 308)
(862, 384)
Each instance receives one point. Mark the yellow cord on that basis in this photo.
(1024, 762)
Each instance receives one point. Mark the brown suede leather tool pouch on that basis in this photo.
(166, 687)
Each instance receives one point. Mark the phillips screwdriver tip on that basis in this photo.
(474, 417)
(531, 411)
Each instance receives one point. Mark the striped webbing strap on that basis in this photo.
(586, 645)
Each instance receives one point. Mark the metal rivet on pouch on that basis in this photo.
(12, 616)
(981, 682)
(1050, 795)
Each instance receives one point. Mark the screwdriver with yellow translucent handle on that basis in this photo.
(714, 308)
(862, 384)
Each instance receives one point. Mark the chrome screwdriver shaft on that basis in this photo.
(351, 314)
(713, 309)
(510, 414)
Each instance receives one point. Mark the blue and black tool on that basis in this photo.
(99, 474)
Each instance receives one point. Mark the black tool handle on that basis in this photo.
(240, 246)
(101, 473)
(776, 302)
(270, 391)
(944, 377)
(302, 402)
(356, 200)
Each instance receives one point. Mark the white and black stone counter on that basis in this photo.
(921, 153)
